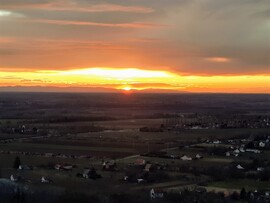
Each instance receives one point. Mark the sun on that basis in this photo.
(127, 88)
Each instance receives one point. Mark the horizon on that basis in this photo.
(70, 90)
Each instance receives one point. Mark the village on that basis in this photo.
(204, 166)
(124, 157)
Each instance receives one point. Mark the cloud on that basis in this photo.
(87, 23)
(76, 6)
(6, 40)
(6, 13)
(218, 59)
(10, 78)
(97, 8)
(209, 37)
(149, 85)
(74, 51)
(36, 81)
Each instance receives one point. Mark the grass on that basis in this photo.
(219, 160)
(242, 183)
(56, 148)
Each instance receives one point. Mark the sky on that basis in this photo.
(143, 45)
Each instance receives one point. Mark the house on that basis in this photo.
(44, 180)
(240, 167)
(156, 193)
(216, 142)
(140, 180)
(91, 173)
(241, 149)
(67, 167)
(57, 166)
(147, 167)
(139, 162)
(236, 151)
(109, 166)
(24, 167)
(49, 155)
(256, 151)
(13, 179)
(186, 158)
(86, 173)
(172, 156)
(262, 144)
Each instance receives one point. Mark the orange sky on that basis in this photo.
(136, 79)
(180, 45)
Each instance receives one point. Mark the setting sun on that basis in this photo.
(127, 88)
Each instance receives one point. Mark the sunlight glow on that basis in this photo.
(128, 79)
(126, 73)
(4, 13)
(127, 88)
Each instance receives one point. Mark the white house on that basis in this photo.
(237, 151)
(156, 194)
(262, 144)
(147, 167)
(241, 149)
(240, 167)
(186, 158)
(44, 180)
(216, 142)
(256, 151)
(13, 179)
(86, 173)
(140, 180)
(260, 169)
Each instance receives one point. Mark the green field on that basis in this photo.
(242, 183)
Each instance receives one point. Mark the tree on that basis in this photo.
(93, 174)
(235, 196)
(243, 194)
(17, 162)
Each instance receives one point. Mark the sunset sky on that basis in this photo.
(147, 45)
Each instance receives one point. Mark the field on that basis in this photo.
(239, 184)
(86, 132)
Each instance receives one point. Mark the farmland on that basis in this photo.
(134, 143)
